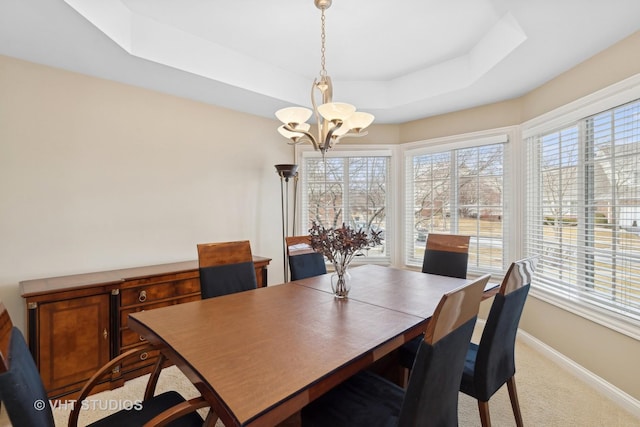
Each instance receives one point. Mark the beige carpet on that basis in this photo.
(549, 396)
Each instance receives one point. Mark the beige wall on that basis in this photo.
(617, 63)
(99, 175)
(492, 116)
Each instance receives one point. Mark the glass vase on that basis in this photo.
(341, 282)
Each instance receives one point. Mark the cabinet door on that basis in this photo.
(74, 340)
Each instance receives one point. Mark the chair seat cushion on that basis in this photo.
(365, 399)
(150, 408)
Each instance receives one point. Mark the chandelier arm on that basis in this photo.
(302, 138)
(327, 139)
(352, 134)
(299, 140)
(324, 87)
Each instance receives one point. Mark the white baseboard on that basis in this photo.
(616, 395)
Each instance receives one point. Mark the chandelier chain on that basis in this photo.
(323, 71)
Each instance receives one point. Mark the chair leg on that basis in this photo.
(485, 418)
(513, 395)
(212, 419)
(405, 377)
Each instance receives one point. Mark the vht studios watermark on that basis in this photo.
(90, 405)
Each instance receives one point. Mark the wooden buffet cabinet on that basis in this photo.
(75, 324)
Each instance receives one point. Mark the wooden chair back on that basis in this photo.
(226, 268)
(446, 255)
(519, 274)
(223, 253)
(454, 309)
(448, 243)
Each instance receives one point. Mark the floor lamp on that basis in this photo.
(287, 172)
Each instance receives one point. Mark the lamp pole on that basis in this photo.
(287, 172)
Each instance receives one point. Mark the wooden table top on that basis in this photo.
(260, 356)
(401, 290)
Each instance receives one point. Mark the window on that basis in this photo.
(458, 191)
(350, 188)
(583, 211)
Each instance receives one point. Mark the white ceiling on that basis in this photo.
(399, 60)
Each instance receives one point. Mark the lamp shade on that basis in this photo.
(303, 127)
(287, 171)
(287, 134)
(293, 115)
(360, 120)
(336, 110)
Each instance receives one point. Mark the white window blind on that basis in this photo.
(458, 191)
(350, 188)
(583, 211)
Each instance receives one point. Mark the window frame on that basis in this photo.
(303, 151)
(509, 136)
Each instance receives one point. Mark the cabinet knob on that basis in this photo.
(105, 334)
(143, 356)
(143, 296)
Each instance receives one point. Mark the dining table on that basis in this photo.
(259, 356)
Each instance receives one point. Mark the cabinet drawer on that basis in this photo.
(158, 291)
(128, 337)
(124, 314)
(142, 360)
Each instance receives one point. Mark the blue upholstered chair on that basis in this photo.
(444, 255)
(490, 364)
(303, 260)
(226, 268)
(21, 390)
(431, 398)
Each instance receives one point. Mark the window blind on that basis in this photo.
(350, 188)
(583, 211)
(458, 191)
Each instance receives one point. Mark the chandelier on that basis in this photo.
(335, 120)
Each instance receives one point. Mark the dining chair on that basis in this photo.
(491, 363)
(431, 397)
(304, 261)
(446, 255)
(225, 268)
(27, 404)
